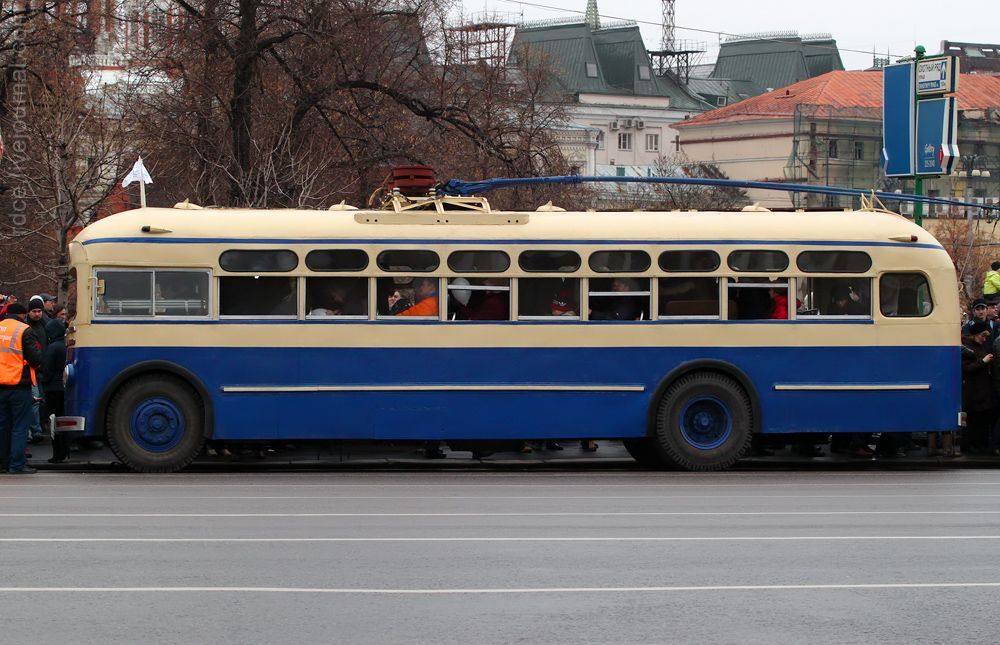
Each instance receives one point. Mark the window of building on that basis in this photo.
(619, 171)
(834, 261)
(839, 297)
(479, 261)
(689, 297)
(904, 295)
(832, 148)
(152, 292)
(644, 73)
(652, 142)
(407, 298)
(258, 296)
(549, 261)
(720, 101)
(758, 298)
(258, 261)
(478, 299)
(619, 299)
(689, 261)
(758, 261)
(859, 150)
(619, 261)
(600, 140)
(417, 260)
(591, 70)
(340, 297)
(624, 140)
(548, 299)
(337, 260)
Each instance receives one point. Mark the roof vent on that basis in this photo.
(755, 208)
(188, 206)
(547, 207)
(342, 206)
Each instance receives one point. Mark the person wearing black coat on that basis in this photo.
(53, 364)
(978, 399)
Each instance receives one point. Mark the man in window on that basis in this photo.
(427, 299)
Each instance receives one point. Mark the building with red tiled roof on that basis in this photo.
(828, 130)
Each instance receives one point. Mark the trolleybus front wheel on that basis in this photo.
(155, 424)
(704, 421)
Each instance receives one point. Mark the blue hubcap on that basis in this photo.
(706, 422)
(157, 425)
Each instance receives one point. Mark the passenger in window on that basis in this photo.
(493, 305)
(399, 301)
(563, 302)
(427, 299)
(619, 307)
(779, 303)
(844, 301)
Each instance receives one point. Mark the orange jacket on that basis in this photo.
(12, 361)
(426, 307)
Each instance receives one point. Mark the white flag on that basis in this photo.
(138, 174)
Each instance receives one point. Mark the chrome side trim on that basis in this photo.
(847, 387)
(233, 389)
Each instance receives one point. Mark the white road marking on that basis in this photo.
(710, 538)
(481, 498)
(521, 514)
(513, 590)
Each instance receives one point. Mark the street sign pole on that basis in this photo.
(918, 181)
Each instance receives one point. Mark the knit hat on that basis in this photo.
(17, 308)
(36, 302)
(978, 327)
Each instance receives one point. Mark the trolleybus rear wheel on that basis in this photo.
(155, 424)
(704, 421)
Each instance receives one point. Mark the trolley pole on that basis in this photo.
(918, 181)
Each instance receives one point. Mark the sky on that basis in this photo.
(892, 26)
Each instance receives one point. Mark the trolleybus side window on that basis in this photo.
(833, 261)
(478, 261)
(337, 260)
(151, 292)
(548, 298)
(619, 298)
(904, 295)
(479, 298)
(619, 261)
(758, 261)
(835, 297)
(337, 297)
(258, 261)
(758, 298)
(258, 296)
(406, 296)
(690, 297)
(549, 261)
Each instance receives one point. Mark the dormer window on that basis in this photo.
(644, 74)
(591, 70)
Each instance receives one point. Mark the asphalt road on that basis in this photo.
(501, 557)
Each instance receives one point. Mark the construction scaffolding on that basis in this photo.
(483, 38)
(680, 59)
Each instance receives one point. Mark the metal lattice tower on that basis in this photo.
(667, 42)
(592, 18)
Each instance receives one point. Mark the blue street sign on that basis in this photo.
(937, 133)
(898, 120)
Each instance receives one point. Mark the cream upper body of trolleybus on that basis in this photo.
(681, 333)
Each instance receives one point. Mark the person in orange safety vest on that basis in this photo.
(20, 356)
(427, 299)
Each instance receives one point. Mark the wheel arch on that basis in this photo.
(704, 365)
(152, 367)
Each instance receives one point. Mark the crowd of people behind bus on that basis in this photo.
(31, 371)
(980, 374)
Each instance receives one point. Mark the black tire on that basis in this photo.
(155, 424)
(645, 453)
(703, 422)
